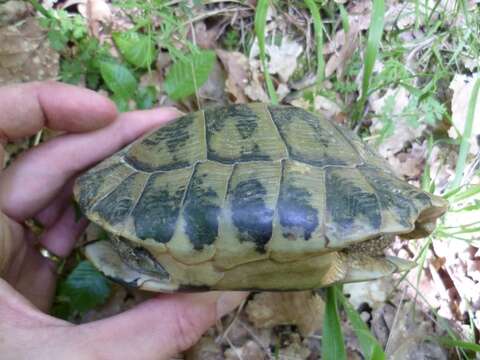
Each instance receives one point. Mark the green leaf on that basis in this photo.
(57, 39)
(71, 71)
(332, 340)
(260, 24)
(84, 288)
(146, 97)
(137, 49)
(371, 349)
(187, 75)
(119, 79)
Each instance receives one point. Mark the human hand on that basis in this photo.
(39, 185)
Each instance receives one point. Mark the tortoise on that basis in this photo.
(250, 196)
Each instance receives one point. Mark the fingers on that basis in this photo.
(61, 237)
(23, 267)
(49, 215)
(162, 327)
(32, 181)
(26, 108)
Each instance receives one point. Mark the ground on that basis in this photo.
(401, 74)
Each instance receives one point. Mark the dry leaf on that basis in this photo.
(254, 89)
(326, 107)
(442, 162)
(251, 351)
(374, 292)
(400, 15)
(205, 349)
(402, 132)
(339, 60)
(236, 65)
(408, 334)
(411, 163)
(25, 54)
(214, 87)
(95, 11)
(206, 39)
(304, 309)
(462, 86)
(283, 58)
(359, 20)
(296, 350)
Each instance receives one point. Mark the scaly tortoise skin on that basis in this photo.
(250, 197)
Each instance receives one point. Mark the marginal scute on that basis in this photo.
(156, 213)
(198, 225)
(100, 181)
(115, 209)
(246, 219)
(353, 211)
(298, 222)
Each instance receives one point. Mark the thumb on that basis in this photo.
(161, 327)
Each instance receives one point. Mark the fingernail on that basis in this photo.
(229, 301)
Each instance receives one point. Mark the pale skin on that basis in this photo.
(38, 185)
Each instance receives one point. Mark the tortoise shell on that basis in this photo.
(249, 197)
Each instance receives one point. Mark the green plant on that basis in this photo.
(82, 290)
(260, 24)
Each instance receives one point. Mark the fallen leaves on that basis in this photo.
(374, 293)
(283, 58)
(408, 332)
(396, 132)
(339, 59)
(236, 65)
(269, 309)
(462, 86)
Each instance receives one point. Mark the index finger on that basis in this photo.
(27, 108)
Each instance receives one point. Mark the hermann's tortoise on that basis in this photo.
(250, 197)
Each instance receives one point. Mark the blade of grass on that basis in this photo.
(333, 346)
(426, 180)
(373, 43)
(37, 6)
(467, 133)
(344, 17)
(260, 24)
(318, 27)
(468, 192)
(371, 349)
(454, 343)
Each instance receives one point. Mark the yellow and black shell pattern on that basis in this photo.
(236, 184)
